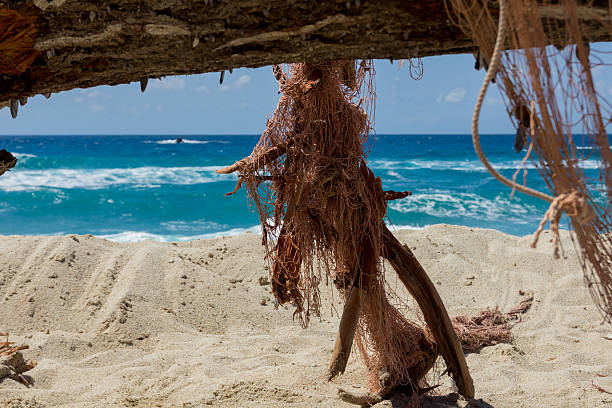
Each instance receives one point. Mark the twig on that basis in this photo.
(396, 195)
(269, 156)
(598, 388)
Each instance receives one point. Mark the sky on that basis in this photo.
(441, 102)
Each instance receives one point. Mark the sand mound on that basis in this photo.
(193, 324)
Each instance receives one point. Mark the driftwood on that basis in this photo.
(88, 43)
(414, 277)
(352, 310)
(12, 363)
(346, 331)
(7, 161)
(271, 155)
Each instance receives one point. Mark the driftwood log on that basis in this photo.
(81, 44)
(412, 275)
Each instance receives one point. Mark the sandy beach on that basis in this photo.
(193, 324)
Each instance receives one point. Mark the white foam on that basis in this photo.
(137, 236)
(404, 227)
(94, 179)
(462, 165)
(467, 205)
(186, 141)
(23, 157)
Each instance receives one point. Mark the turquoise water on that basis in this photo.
(129, 188)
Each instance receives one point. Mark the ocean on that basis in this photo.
(130, 188)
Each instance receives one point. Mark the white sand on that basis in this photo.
(150, 324)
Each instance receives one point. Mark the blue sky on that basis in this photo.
(441, 102)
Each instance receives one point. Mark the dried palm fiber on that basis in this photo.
(17, 35)
(321, 211)
(568, 111)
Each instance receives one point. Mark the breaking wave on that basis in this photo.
(186, 141)
(23, 157)
(460, 165)
(137, 236)
(467, 205)
(95, 179)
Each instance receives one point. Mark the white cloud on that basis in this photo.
(96, 108)
(168, 84)
(456, 95)
(95, 93)
(240, 83)
(243, 81)
(91, 94)
(493, 100)
(202, 89)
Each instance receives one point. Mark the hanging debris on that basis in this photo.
(143, 84)
(569, 107)
(14, 108)
(321, 211)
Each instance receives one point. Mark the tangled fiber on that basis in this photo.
(568, 112)
(321, 211)
(17, 34)
(489, 327)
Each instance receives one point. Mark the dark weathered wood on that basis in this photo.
(89, 43)
(346, 331)
(352, 308)
(414, 277)
(267, 158)
(7, 161)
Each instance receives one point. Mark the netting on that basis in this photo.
(321, 211)
(568, 113)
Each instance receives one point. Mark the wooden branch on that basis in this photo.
(366, 270)
(268, 157)
(391, 195)
(346, 331)
(414, 277)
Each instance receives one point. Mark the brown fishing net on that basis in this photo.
(569, 113)
(17, 35)
(321, 211)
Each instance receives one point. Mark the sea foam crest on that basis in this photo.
(137, 236)
(23, 157)
(186, 141)
(467, 205)
(463, 165)
(94, 179)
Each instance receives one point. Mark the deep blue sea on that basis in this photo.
(129, 188)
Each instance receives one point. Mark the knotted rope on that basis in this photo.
(573, 203)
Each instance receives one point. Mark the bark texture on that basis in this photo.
(89, 43)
